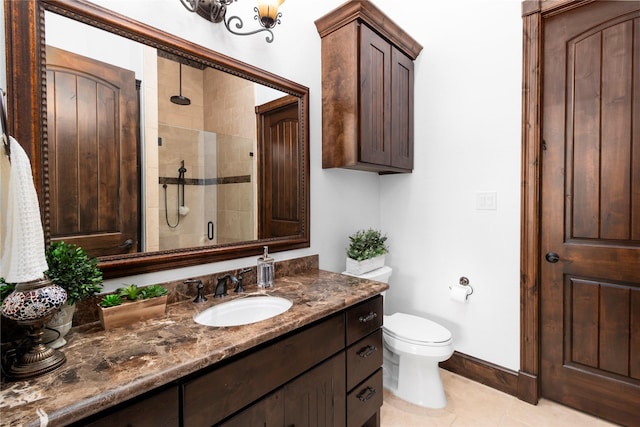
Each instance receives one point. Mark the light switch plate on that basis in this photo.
(487, 201)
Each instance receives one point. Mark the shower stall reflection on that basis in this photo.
(219, 185)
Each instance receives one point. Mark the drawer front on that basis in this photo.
(363, 358)
(363, 319)
(365, 400)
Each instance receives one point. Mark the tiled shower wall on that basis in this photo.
(215, 136)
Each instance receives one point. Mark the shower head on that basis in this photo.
(179, 99)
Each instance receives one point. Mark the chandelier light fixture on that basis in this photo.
(215, 11)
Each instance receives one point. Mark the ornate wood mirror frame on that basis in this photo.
(26, 99)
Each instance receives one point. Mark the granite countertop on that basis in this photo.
(105, 368)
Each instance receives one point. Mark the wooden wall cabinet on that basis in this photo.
(367, 90)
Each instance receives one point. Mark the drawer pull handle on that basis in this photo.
(372, 315)
(366, 394)
(367, 351)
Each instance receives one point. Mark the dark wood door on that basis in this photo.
(93, 128)
(279, 174)
(590, 223)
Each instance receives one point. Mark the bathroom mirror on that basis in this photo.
(182, 162)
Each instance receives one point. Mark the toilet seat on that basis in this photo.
(416, 330)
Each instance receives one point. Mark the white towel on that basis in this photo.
(22, 256)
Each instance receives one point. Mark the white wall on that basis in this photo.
(467, 136)
(467, 140)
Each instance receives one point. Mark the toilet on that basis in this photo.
(413, 347)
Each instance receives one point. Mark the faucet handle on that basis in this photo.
(242, 272)
(200, 297)
(239, 287)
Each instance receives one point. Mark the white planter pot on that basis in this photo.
(60, 322)
(360, 267)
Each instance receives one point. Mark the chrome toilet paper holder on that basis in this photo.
(465, 282)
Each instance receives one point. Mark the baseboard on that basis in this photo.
(528, 389)
(483, 372)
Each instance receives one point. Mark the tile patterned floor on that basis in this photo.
(471, 404)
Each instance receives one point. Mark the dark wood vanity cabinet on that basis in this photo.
(367, 90)
(328, 374)
(325, 374)
(344, 390)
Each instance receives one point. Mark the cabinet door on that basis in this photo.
(401, 110)
(317, 398)
(267, 412)
(375, 98)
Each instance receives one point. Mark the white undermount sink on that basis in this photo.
(243, 311)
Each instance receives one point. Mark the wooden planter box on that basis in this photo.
(360, 267)
(131, 312)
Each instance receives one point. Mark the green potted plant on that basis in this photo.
(71, 268)
(366, 251)
(131, 303)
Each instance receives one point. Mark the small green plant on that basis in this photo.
(154, 291)
(110, 300)
(130, 292)
(365, 244)
(71, 268)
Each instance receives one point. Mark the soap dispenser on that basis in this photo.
(265, 269)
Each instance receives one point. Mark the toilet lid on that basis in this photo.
(407, 327)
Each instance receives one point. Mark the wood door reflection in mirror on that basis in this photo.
(93, 129)
(280, 156)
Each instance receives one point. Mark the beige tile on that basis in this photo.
(471, 404)
(547, 413)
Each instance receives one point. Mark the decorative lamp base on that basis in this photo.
(36, 360)
(31, 305)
